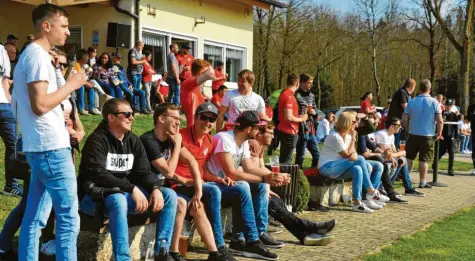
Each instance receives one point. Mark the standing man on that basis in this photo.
(398, 104)
(450, 133)
(219, 77)
(12, 56)
(173, 79)
(419, 118)
(7, 125)
(136, 62)
(242, 99)
(217, 98)
(185, 59)
(289, 119)
(36, 101)
(307, 138)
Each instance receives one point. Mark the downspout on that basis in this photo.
(135, 16)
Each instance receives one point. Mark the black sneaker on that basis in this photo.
(236, 247)
(397, 199)
(275, 223)
(257, 250)
(427, 185)
(177, 256)
(323, 228)
(270, 242)
(414, 192)
(224, 255)
(145, 112)
(8, 256)
(451, 173)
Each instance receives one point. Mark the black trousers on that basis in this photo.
(288, 142)
(448, 145)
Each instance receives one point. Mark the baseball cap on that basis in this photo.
(117, 55)
(185, 46)
(12, 37)
(207, 107)
(249, 119)
(450, 102)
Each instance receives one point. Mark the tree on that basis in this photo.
(463, 46)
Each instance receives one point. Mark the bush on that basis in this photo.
(303, 193)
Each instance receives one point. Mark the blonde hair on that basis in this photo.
(345, 121)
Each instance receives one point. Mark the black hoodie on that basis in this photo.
(109, 162)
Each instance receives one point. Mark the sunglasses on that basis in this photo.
(127, 114)
(206, 118)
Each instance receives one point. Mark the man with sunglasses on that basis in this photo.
(231, 150)
(114, 157)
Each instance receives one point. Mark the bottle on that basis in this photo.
(149, 256)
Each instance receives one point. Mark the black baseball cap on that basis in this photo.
(450, 102)
(185, 46)
(207, 107)
(12, 37)
(249, 119)
(116, 55)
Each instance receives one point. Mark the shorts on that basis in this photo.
(424, 145)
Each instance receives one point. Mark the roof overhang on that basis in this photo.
(264, 4)
(60, 2)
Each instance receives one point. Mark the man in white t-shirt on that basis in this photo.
(36, 101)
(231, 150)
(242, 99)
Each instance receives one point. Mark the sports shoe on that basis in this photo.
(323, 228)
(258, 251)
(274, 230)
(95, 111)
(362, 208)
(275, 223)
(414, 192)
(83, 112)
(224, 254)
(236, 247)
(8, 256)
(13, 190)
(376, 196)
(427, 186)
(451, 173)
(48, 248)
(164, 257)
(177, 256)
(317, 240)
(397, 199)
(270, 242)
(473, 173)
(145, 112)
(372, 204)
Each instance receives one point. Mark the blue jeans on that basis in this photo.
(397, 140)
(90, 98)
(111, 89)
(131, 94)
(405, 174)
(375, 170)
(52, 183)
(307, 141)
(9, 137)
(241, 208)
(174, 90)
(343, 169)
(464, 141)
(119, 205)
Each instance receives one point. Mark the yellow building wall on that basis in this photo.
(15, 18)
(227, 21)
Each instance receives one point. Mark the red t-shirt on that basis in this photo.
(217, 100)
(287, 101)
(202, 152)
(190, 99)
(216, 84)
(184, 60)
(365, 104)
(147, 72)
(269, 111)
(164, 90)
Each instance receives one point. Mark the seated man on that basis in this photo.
(163, 145)
(114, 157)
(385, 141)
(231, 150)
(307, 232)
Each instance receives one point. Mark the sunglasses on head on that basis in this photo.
(206, 118)
(127, 114)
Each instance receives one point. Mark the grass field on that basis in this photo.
(451, 238)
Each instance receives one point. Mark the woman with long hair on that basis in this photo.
(366, 106)
(339, 160)
(103, 74)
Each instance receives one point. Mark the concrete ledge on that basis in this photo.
(330, 195)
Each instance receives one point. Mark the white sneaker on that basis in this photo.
(473, 172)
(376, 196)
(362, 208)
(372, 204)
(48, 248)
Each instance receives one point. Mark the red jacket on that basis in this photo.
(147, 73)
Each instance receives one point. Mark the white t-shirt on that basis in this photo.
(332, 146)
(382, 137)
(40, 133)
(224, 142)
(238, 103)
(323, 129)
(4, 72)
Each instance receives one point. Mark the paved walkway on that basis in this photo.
(357, 234)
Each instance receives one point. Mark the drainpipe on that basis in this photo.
(135, 16)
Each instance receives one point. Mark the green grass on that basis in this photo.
(449, 239)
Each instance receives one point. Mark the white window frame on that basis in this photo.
(224, 46)
(169, 35)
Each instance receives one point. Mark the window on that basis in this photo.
(156, 44)
(74, 41)
(232, 57)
